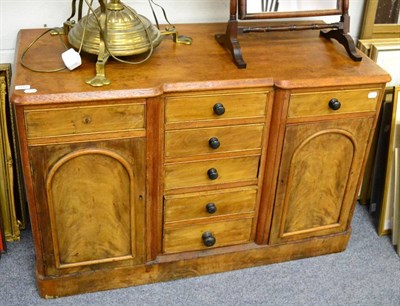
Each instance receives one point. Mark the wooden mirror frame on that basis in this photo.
(338, 30)
(371, 30)
(243, 15)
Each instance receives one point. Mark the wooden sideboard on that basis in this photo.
(186, 165)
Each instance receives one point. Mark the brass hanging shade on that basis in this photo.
(127, 33)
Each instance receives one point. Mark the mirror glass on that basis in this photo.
(283, 6)
(387, 12)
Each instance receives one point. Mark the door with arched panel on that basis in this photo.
(318, 179)
(92, 207)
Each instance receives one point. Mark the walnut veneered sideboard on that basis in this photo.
(186, 165)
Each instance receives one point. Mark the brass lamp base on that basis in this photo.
(113, 29)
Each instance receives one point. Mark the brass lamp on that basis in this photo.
(113, 29)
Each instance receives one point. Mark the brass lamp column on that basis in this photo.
(100, 78)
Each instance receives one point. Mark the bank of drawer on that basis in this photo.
(181, 143)
(211, 107)
(206, 236)
(84, 120)
(204, 205)
(333, 102)
(210, 172)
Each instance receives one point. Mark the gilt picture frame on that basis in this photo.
(371, 30)
(388, 57)
(387, 216)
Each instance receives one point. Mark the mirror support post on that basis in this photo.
(229, 40)
(342, 33)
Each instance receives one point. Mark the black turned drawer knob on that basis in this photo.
(219, 109)
(214, 143)
(211, 208)
(208, 239)
(212, 174)
(334, 104)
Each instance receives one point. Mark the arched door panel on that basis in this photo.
(318, 178)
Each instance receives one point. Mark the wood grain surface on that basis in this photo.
(189, 206)
(316, 104)
(286, 59)
(319, 175)
(98, 188)
(181, 143)
(237, 106)
(84, 120)
(179, 175)
(189, 238)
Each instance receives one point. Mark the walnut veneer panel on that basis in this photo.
(94, 187)
(328, 165)
(90, 198)
(319, 177)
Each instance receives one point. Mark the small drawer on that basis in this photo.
(209, 204)
(212, 107)
(84, 120)
(181, 143)
(210, 172)
(333, 102)
(206, 236)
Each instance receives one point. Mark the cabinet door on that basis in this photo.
(90, 204)
(317, 186)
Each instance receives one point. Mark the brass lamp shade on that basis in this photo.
(128, 33)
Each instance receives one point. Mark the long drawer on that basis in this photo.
(181, 143)
(333, 102)
(204, 205)
(213, 107)
(84, 120)
(205, 236)
(210, 172)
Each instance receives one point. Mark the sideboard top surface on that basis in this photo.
(287, 60)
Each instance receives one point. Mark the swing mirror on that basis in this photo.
(265, 9)
(268, 9)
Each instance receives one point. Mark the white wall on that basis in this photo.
(22, 14)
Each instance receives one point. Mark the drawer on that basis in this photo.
(84, 120)
(211, 172)
(181, 143)
(190, 238)
(200, 205)
(212, 107)
(318, 103)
